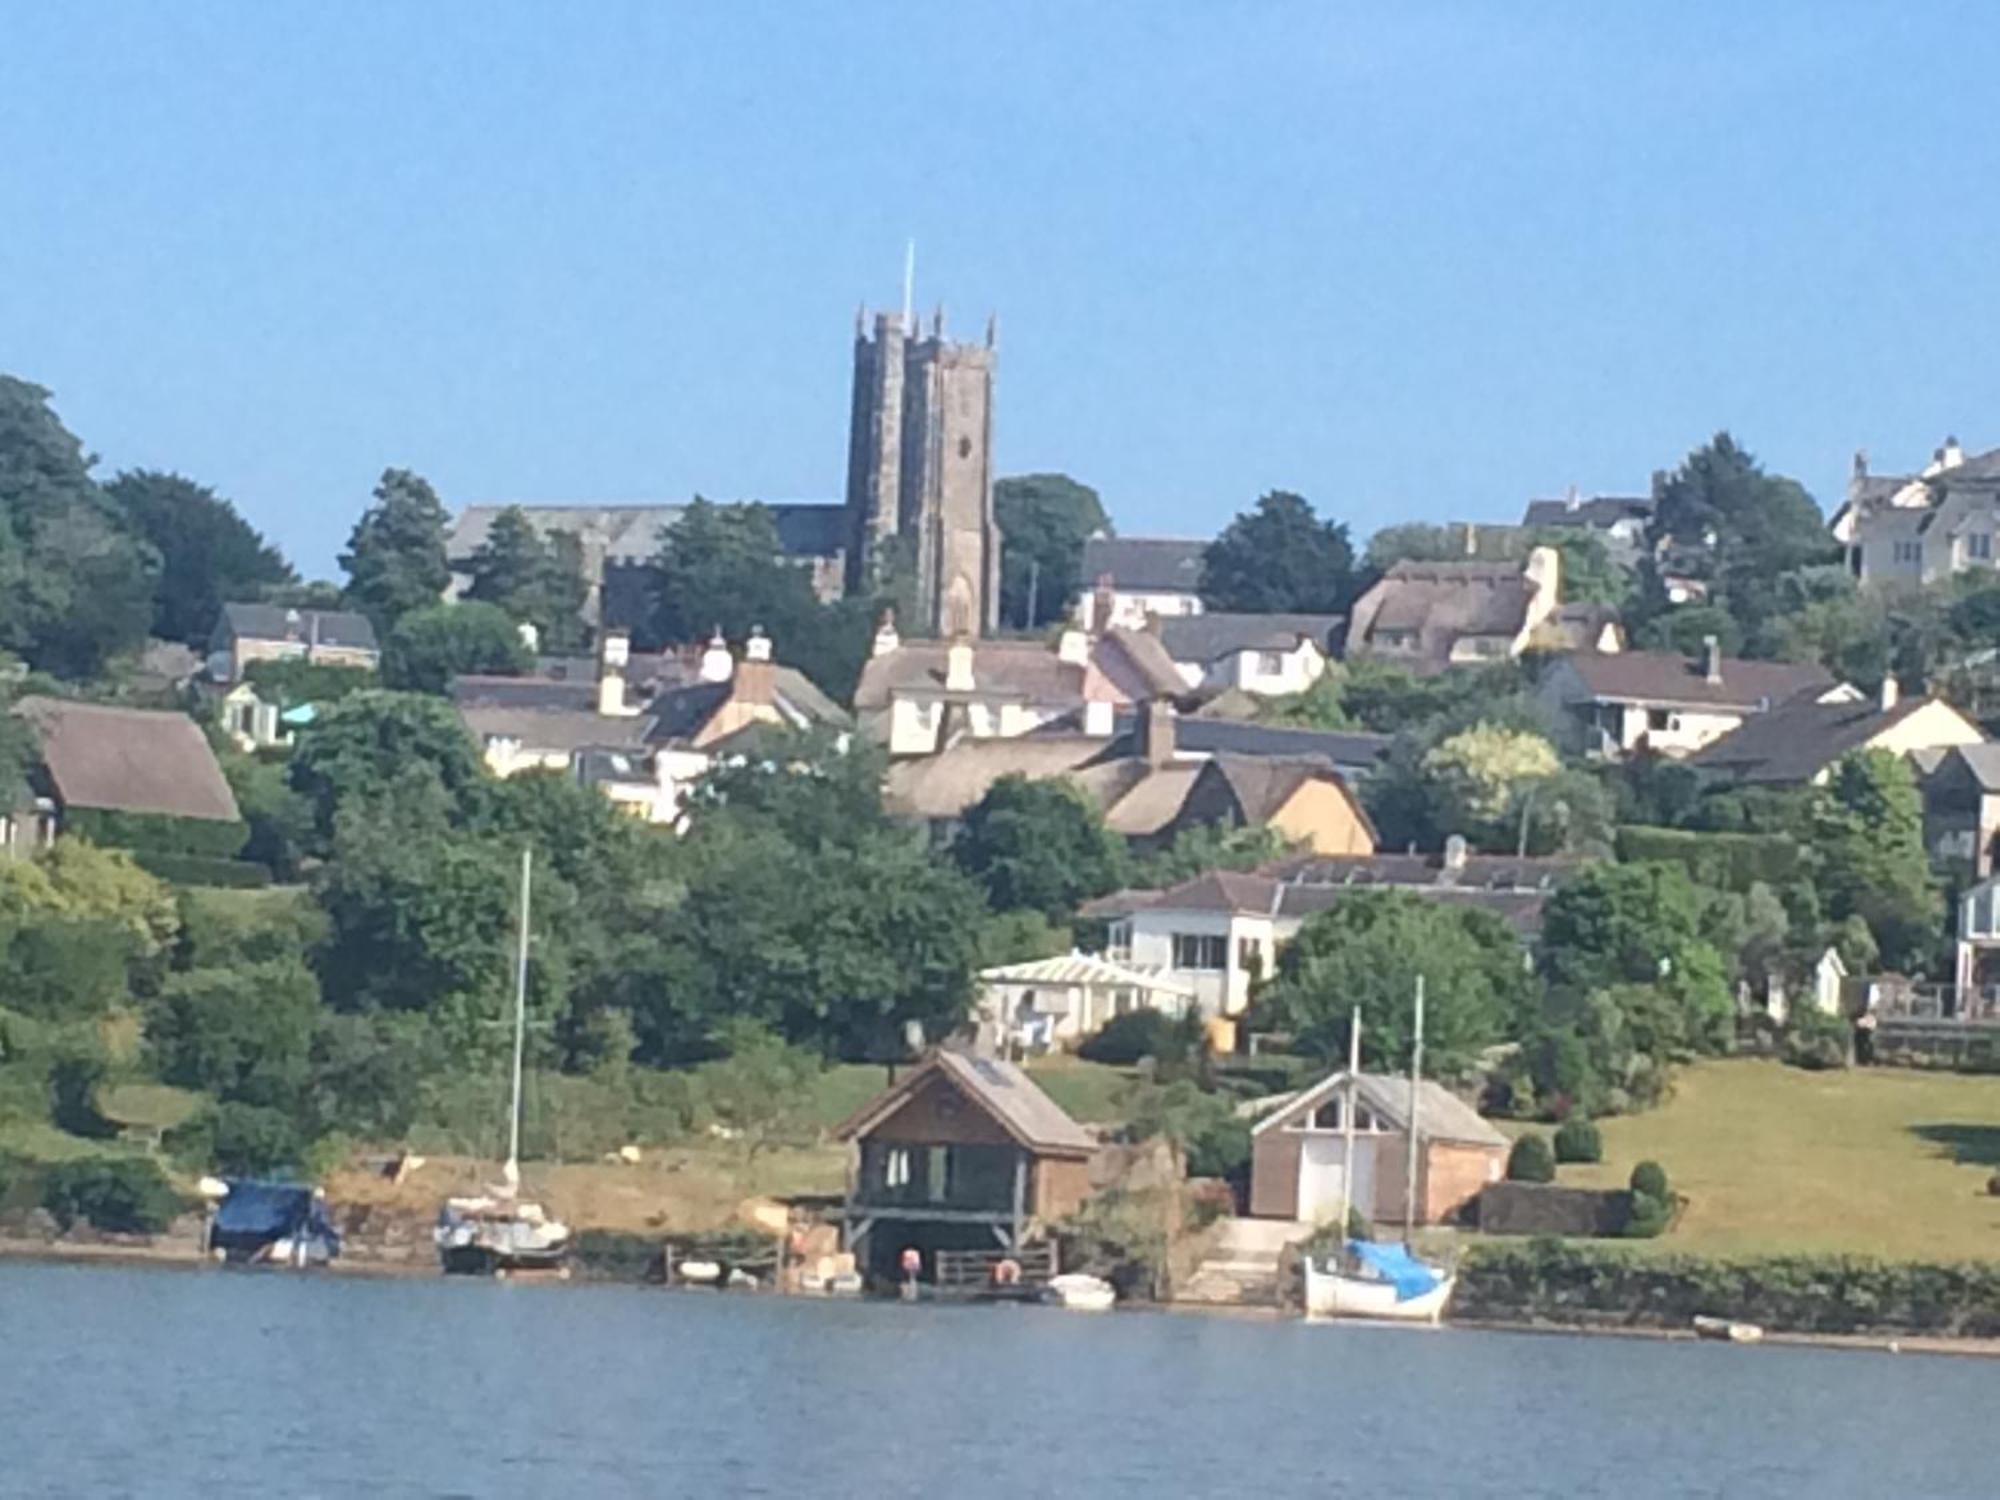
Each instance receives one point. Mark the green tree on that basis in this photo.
(1478, 769)
(209, 555)
(722, 566)
(76, 587)
(1866, 825)
(1688, 628)
(1039, 846)
(1368, 950)
(432, 645)
(371, 742)
(395, 558)
(1277, 558)
(242, 1034)
(1741, 528)
(538, 581)
(1044, 520)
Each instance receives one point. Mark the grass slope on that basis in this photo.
(1881, 1162)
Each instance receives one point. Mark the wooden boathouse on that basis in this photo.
(960, 1154)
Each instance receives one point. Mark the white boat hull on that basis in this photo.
(1331, 1295)
(1081, 1293)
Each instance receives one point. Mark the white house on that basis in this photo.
(918, 697)
(1128, 580)
(641, 750)
(1660, 701)
(1264, 655)
(1052, 1002)
(1222, 930)
(1917, 528)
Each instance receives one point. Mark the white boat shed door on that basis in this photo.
(1320, 1188)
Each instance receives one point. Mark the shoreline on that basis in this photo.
(183, 1256)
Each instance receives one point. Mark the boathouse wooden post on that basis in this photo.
(1020, 1194)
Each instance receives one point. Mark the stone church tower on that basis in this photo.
(920, 471)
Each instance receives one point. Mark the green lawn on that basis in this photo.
(1878, 1161)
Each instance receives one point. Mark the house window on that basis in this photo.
(1122, 1003)
(1271, 663)
(896, 1167)
(1979, 546)
(1193, 950)
(1907, 552)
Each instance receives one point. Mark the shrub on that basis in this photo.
(157, 833)
(1125, 1039)
(1817, 1041)
(1649, 1179)
(1649, 1218)
(1577, 1139)
(1531, 1160)
(202, 870)
(127, 1195)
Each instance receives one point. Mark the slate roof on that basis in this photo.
(1441, 1114)
(1599, 511)
(1000, 1089)
(1982, 761)
(631, 533)
(1669, 677)
(1205, 637)
(128, 760)
(559, 714)
(1795, 741)
(276, 622)
(1196, 735)
(1144, 564)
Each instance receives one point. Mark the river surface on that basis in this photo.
(206, 1383)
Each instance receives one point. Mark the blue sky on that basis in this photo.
(1412, 260)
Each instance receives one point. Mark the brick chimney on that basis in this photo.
(1103, 599)
(1156, 731)
(1711, 659)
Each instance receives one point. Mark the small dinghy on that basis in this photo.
(1080, 1293)
(1728, 1330)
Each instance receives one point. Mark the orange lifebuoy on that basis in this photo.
(1006, 1272)
(912, 1261)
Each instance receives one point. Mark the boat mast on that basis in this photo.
(1347, 1123)
(513, 1168)
(1416, 1085)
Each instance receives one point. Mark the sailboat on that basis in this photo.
(1371, 1278)
(498, 1232)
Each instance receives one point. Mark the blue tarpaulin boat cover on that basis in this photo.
(1395, 1265)
(260, 1212)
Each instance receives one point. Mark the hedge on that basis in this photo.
(1554, 1281)
(1725, 861)
(195, 869)
(157, 833)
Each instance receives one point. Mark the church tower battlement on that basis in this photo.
(920, 470)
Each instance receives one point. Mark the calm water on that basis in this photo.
(174, 1383)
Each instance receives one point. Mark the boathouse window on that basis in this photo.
(937, 1174)
(896, 1167)
(1327, 1117)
